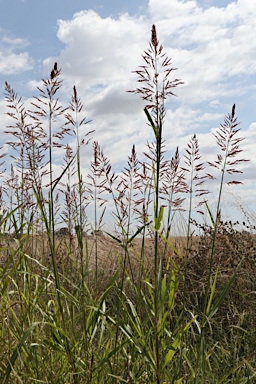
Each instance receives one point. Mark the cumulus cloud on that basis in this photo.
(12, 62)
(99, 51)
(209, 45)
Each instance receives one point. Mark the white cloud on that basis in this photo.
(208, 45)
(15, 42)
(5, 121)
(252, 129)
(99, 51)
(10, 61)
(14, 63)
(214, 103)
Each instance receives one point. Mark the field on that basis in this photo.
(158, 299)
(29, 304)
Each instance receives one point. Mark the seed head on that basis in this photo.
(154, 40)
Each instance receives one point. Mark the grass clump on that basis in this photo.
(137, 305)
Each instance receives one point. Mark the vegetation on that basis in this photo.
(136, 305)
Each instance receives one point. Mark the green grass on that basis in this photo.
(135, 305)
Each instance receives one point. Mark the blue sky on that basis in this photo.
(99, 43)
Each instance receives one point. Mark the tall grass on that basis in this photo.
(135, 305)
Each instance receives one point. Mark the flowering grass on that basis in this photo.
(137, 305)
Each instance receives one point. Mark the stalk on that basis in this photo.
(155, 98)
(72, 118)
(228, 143)
(54, 110)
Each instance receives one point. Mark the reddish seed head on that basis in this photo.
(154, 36)
(233, 111)
(54, 71)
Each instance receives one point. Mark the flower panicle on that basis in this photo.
(154, 76)
(227, 140)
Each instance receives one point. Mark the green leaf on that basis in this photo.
(179, 381)
(155, 129)
(172, 288)
(163, 289)
(169, 244)
(63, 173)
(210, 214)
(212, 293)
(170, 354)
(161, 213)
(223, 294)
(115, 238)
(138, 231)
(172, 351)
(159, 218)
(17, 350)
(221, 297)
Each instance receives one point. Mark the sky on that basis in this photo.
(98, 43)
